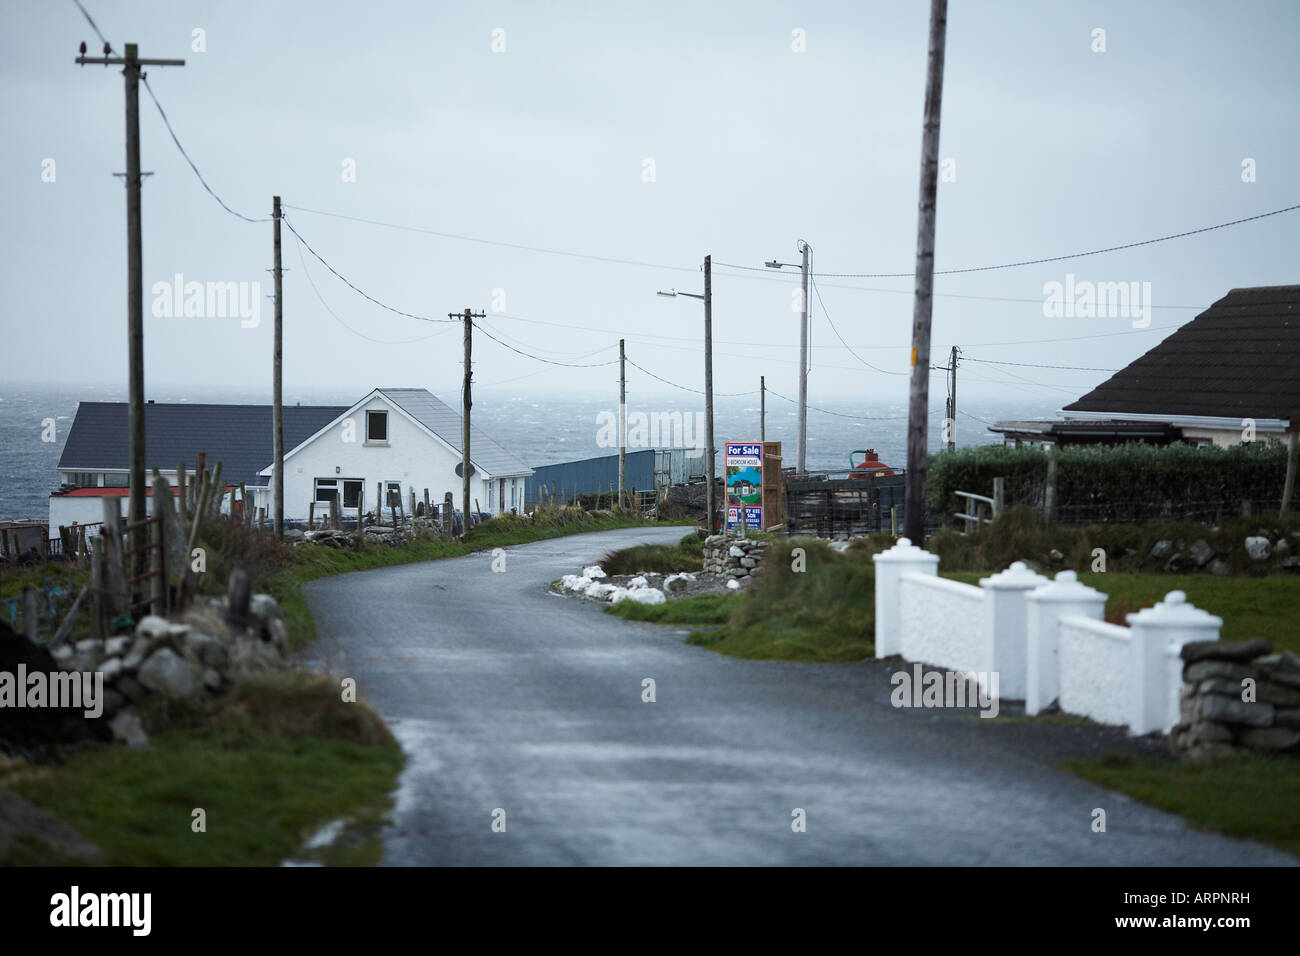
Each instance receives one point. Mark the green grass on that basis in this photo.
(1250, 607)
(269, 764)
(826, 612)
(686, 555)
(699, 609)
(1252, 797)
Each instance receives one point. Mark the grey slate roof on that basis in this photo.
(445, 422)
(1240, 358)
(239, 436)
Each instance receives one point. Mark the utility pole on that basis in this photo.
(762, 408)
(918, 405)
(622, 421)
(131, 63)
(277, 388)
(708, 381)
(803, 368)
(468, 318)
(951, 416)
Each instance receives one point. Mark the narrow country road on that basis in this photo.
(506, 697)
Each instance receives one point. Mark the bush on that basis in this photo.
(1127, 482)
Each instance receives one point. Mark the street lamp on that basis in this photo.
(707, 298)
(803, 354)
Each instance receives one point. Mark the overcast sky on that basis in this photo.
(652, 133)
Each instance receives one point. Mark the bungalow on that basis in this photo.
(1231, 374)
(403, 439)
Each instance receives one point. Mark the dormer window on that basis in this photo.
(377, 427)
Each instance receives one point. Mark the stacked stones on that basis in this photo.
(733, 557)
(198, 655)
(1237, 696)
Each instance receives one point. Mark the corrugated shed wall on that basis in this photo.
(591, 475)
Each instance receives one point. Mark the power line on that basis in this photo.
(325, 305)
(528, 345)
(685, 388)
(546, 360)
(976, 417)
(204, 182)
(827, 315)
(1034, 262)
(856, 418)
(1065, 368)
(344, 279)
(107, 47)
(494, 242)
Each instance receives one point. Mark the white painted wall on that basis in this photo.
(1042, 638)
(941, 622)
(410, 456)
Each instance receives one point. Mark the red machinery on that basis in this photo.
(870, 466)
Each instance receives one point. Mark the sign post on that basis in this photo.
(744, 486)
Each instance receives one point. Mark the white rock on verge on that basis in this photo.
(638, 582)
(646, 596)
(574, 582)
(599, 591)
(733, 585)
(594, 571)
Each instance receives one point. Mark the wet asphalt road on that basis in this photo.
(506, 697)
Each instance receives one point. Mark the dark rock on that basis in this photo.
(1233, 710)
(1279, 695)
(1286, 717)
(1239, 651)
(1283, 668)
(1204, 670)
(1220, 568)
(1201, 552)
(1161, 550)
(1270, 738)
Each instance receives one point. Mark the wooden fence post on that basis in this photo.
(999, 495)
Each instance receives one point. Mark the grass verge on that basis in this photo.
(817, 605)
(268, 764)
(1252, 797)
(700, 609)
(686, 555)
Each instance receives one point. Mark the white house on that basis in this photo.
(401, 439)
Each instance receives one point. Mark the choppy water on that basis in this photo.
(539, 428)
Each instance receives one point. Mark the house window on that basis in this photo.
(377, 426)
(393, 494)
(84, 479)
(327, 489)
(117, 481)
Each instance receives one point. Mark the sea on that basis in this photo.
(539, 428)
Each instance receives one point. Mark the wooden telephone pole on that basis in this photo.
(950, 410)
(762, 408)
(918, 405)
(468, 317)
(622, 421)
(131, 63)
(708, 383)
(277, 375)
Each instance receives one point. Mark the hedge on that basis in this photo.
(1126, 482)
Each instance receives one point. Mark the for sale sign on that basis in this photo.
(744, 485)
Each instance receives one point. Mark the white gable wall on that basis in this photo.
(410, 456)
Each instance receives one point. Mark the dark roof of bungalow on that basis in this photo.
(1240, 358)
(239, 436)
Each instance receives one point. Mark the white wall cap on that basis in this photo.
(905, 551)
(1174, 611)
(1068, 588)
(1017, 577)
